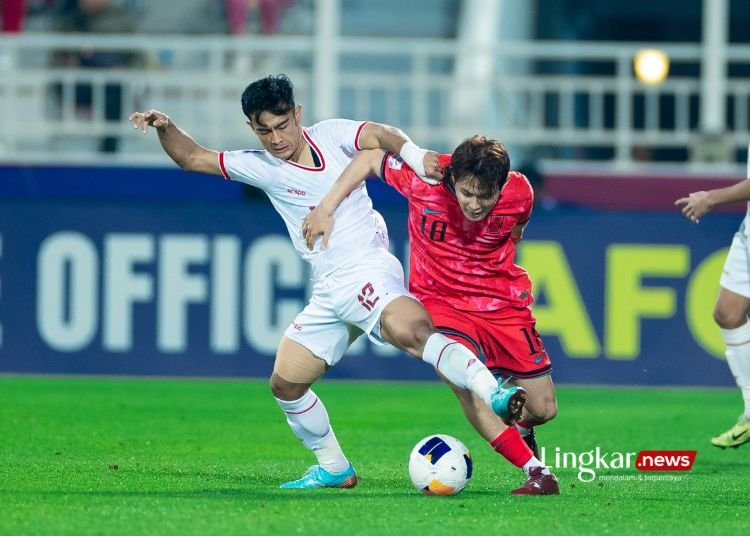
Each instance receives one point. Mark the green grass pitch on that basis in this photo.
(148, 456)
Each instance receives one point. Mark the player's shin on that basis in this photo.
(738, 357)
(459, 366)
(308, 418)
(511, 446)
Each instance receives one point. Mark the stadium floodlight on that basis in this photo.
(651, 66)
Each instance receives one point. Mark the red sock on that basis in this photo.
(512, 447)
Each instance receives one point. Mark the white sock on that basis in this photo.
(737, 341)
(308, 419)
(459, 365)
(534, 462)
(523, 430)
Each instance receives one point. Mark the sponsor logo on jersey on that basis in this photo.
(432, 211)
(295, 191)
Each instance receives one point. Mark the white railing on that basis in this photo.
(561, 100)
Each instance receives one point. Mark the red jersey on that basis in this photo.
(469, 265)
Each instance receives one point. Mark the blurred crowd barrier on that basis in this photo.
(66, 97)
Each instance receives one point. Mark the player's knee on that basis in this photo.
(422, 330)
(550, 411)
(726, 318)
(411, 336)
(285, 390)
(541, 411)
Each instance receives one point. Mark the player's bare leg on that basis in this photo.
(481, 417)
(295, 370)
(730, 313)
(541, 406)
(507, 442)
(406, 324)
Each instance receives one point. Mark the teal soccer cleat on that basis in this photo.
(508, 403)
(317, 477)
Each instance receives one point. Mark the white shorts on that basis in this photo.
(736, 273)
(346, 304)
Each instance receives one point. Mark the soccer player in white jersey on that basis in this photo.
(358, 285)
(733, 303)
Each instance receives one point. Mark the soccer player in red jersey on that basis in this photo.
(463, 236)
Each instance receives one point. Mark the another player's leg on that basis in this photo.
(406, 324)
(540, 407)
(730, 314)
(295, 370)
(506, 441)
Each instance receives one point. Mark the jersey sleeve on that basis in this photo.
(525, 197)
(397, 173)
(243, 166)
(343, 133)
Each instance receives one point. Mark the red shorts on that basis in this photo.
(506, 340)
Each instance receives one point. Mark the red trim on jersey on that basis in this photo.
(317, 151)
(386, 155)
(223, 169)
(356, 137)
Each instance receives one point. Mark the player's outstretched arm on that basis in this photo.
(177, 143)
(695, 205)
(423, 162)
(320, 220)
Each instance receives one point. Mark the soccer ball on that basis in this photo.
(440, 465)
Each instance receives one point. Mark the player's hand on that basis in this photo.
(151, 118)
(432, 171)
(695, 205)
(318, 222)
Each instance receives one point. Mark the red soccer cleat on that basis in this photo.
(538, 484)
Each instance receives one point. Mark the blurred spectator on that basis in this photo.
(12, 15)
(184, 17)
(268, 13)
(191, 17)
(105, 17)
(40, 15)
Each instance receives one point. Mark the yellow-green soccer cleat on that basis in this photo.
(735, 436)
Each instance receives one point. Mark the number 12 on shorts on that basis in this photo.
(366, 297)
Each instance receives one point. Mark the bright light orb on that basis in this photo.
(651, 66)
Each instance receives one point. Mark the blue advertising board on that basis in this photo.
(206, 288)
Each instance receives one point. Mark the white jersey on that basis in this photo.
(745, 227)
(294, 190)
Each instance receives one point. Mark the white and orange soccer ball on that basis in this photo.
(440, 465)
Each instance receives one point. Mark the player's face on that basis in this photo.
(475, 203)
(281, 135)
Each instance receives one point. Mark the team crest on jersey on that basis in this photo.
(494, 223)
(395, 162)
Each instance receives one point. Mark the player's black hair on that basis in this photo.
(273, 94)
(486, 161)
